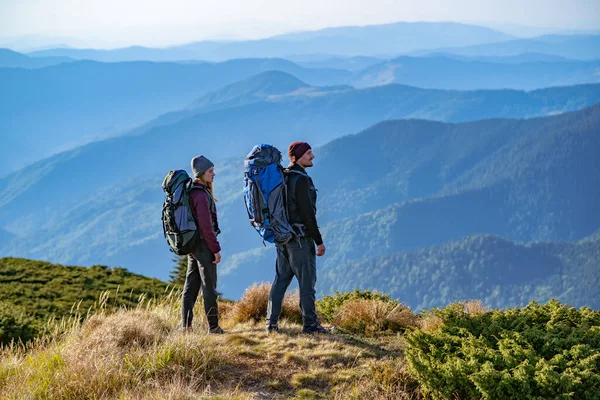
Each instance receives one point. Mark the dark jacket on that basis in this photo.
(302, 201)
(205, 213)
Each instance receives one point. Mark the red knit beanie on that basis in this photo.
(297, 149)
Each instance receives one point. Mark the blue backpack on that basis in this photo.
(265, 194)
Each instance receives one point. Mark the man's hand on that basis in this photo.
(217, 258)
(321, 250)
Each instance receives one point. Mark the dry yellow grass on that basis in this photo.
(117, 333)
(126, 353)
(290, 309)
(253, 305)
(474, 307)
(386, 379)
(140, 354)
(373, 316)
(225, 309)
(430, 322)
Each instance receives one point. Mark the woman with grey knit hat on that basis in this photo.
(202, 262)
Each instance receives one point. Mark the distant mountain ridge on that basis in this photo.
(251, 90)
(446, 72)
(48, 110)
(45, 105)
(12, 59)
(579, 47)
(267, 86)
(513, 59)
(370, 40)
(497, 271)
(330, 61)
(254, 101)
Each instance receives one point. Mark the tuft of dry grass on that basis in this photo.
(225, 309)
(252, 307)
(120, 332)
(374, 316)
(290, 309)
(294, 358)
(430, 322)
(253, 304)
(474, 308)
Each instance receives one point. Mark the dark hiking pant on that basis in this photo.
(201, 273)
(297, 258)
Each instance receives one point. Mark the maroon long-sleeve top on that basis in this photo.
(205, 213)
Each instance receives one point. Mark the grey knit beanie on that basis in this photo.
(200, 164)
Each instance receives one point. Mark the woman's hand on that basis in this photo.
(217, 258)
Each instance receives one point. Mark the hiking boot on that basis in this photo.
(271, 329)
(317, 328)
(216, 331)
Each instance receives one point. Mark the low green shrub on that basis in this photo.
(15, 325)
(535, 352)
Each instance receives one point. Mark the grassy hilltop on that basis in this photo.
(380, 350)
(33, 292)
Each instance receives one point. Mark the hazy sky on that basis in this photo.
(162, 22)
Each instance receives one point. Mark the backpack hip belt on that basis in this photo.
(299, 229)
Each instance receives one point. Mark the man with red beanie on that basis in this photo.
(297, 257)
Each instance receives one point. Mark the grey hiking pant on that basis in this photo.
(201, 273)
(297, 258)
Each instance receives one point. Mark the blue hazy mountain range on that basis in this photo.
(12, 59)
(358, 63)
(580, 47)
(355, 63)
(43, 111)
(111, 214)
(229, 126)
(448, 72)
(373, 40)
(51, 109)
(500, 272)
(577, 47)
(514, 59)
(231, 120)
